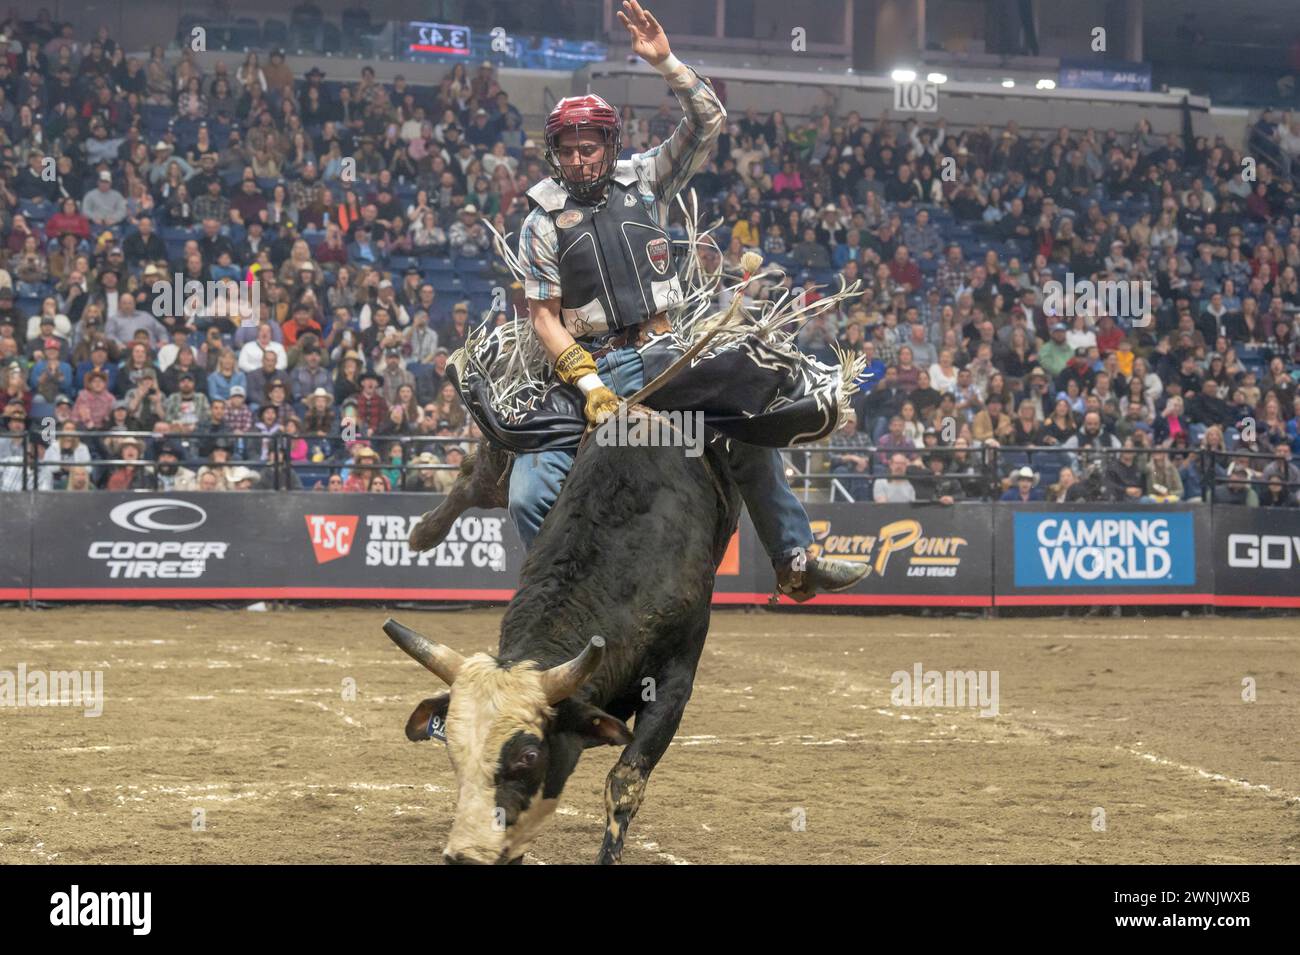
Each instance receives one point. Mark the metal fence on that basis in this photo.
(830, 472)
(983, 473)
(268, 458)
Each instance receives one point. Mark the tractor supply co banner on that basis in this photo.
(1051, 554)
(311, 545)
(1256, 557)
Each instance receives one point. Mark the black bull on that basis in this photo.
(629, 552)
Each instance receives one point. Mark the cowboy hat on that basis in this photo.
(1025, 472)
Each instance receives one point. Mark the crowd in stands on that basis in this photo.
(963, 242)
(354, 209)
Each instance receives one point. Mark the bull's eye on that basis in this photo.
(526, 759)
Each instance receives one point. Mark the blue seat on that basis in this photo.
(310, 476)
(477, 286)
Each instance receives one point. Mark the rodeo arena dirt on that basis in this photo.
(530, 441)
(792, 750)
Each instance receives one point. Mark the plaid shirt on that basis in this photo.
(237, 419)
(372, 411)
(886, 347)
(951, 278)
(662, 172)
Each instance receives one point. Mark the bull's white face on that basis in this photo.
(496, 739)
(511, 749)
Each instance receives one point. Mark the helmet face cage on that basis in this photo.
(586, 181)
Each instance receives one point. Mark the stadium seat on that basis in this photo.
(248, 33)
(275, 33)
(331, 38)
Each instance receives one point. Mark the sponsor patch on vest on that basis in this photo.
(629, 200)
(567, 220)
(657, 251)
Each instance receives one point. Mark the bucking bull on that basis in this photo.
(607, 627)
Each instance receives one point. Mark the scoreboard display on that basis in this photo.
(435, 38)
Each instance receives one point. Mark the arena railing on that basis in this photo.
(993, 468)
(810, 468)
(273, 454)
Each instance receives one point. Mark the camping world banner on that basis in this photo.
(1087, 554)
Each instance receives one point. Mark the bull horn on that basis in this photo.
(444, 662)
(562, 681)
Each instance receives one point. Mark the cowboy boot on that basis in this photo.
(802, 578)
(483, 482)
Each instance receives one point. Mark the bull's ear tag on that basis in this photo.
(437, 728)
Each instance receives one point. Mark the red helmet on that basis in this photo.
(584, 181)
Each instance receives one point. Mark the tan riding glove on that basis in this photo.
(576, 367)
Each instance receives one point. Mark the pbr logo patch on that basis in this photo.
(629, 200)
(657, 250)
(567, 220)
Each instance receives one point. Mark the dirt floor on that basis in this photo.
(242, 715)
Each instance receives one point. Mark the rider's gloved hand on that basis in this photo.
(576, 367)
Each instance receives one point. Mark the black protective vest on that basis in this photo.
(616, 263)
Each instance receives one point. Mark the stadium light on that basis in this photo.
(1046, 84)
(903, 76)
(1008, 84)
(936, 77)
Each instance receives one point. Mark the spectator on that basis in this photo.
(1125, 478)
(252, 357)
(896, 488)
(1236, 488)
(104, 206)
(130, 475)
(1024, 487)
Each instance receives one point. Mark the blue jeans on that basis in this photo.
(778, 516)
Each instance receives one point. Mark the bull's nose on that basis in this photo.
(459, 858)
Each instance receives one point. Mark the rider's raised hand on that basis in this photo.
(648, 39)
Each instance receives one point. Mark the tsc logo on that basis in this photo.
(158, 514)
(331, 535)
